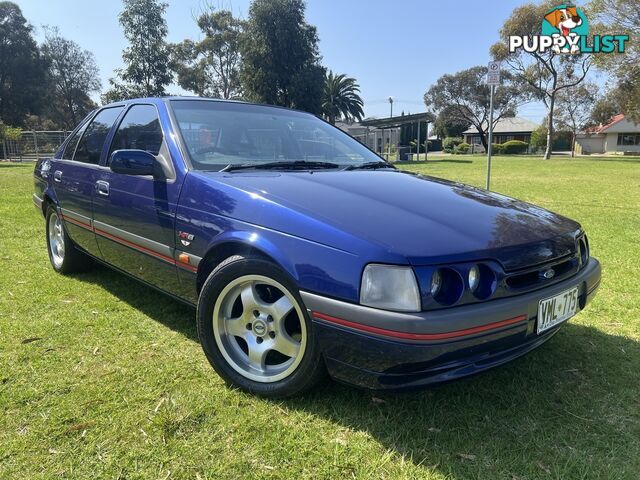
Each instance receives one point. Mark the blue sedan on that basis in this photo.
(303, 251)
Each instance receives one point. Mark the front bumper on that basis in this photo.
(378, 349)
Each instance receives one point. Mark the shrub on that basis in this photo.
(539, 138)
(514, 147)
(462, 148)
(450, 143)
(497, 148)
(9, 133)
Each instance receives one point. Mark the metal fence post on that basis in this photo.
(35, 144)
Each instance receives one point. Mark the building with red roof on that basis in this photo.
(618, 136)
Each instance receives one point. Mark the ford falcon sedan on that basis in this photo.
(304, 252)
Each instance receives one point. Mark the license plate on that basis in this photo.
(557, 309)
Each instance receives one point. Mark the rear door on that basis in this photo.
(134, 216)
(75, 175)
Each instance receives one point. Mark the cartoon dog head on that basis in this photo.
(564, 19)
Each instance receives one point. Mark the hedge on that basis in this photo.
(514, 147)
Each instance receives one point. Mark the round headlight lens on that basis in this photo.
(436, 283)
(474, 278)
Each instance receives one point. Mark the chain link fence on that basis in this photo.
(33, 145)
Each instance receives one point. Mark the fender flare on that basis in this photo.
(253, 241)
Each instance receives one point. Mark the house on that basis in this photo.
(507, 128)
(619, 136)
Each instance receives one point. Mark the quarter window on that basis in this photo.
(72, 143)
(91, 143)
(139, 130)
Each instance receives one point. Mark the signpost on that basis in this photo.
(493, 80)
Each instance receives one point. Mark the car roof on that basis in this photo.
(162, 100)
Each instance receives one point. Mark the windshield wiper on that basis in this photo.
(369, 166)
(294, 165)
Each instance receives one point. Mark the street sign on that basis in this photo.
(493, 75)
(493, 79)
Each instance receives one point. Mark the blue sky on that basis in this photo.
(393, 49)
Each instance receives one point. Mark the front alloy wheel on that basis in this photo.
(258, 329)
(255, 331)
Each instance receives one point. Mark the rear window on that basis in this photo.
(92, 142)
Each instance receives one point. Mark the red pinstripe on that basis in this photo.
(420, 336)
(127, 243)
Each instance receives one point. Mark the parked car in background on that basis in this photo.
(303, 251)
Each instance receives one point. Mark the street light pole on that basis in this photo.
(490, 142)
(391, 105)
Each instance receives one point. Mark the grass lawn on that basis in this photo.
(101, 377)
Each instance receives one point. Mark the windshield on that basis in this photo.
(219, 134)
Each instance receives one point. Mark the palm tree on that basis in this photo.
(341, 98)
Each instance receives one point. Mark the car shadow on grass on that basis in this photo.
(153, 303)
(568, 409)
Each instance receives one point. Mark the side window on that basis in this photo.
(91, 143)
(139, 130)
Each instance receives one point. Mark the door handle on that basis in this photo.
(102, 188)
(57, 176)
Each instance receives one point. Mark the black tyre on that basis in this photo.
(63, 254)
(255, 330)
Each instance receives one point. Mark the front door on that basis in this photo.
(134, 216)
(75, 174)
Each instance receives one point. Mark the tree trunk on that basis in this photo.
(573, 144)
(483, 139)
(552, 104)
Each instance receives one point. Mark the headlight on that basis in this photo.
(474, 278)
(436, 283)
(583, 245)
(390, 287)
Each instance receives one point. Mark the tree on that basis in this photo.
(22, 68)
(147, 70)
(281, 60)
(539, 137)
(620, 17)
(543, 74)
(341, 98)
(466, 97)
(604, 108)
(449, 124)
(72, 75)
(211, 67)
(575, 105)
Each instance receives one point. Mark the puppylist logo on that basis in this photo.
(565, 29)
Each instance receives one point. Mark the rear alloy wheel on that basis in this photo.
(65, 257)
(254, 330)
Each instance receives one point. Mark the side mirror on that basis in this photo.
(133, 162)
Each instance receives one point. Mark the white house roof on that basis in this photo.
(509, 125)
(617, 124)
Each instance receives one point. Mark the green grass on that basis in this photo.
(101, 377)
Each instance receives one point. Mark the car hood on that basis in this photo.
(423, 219)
